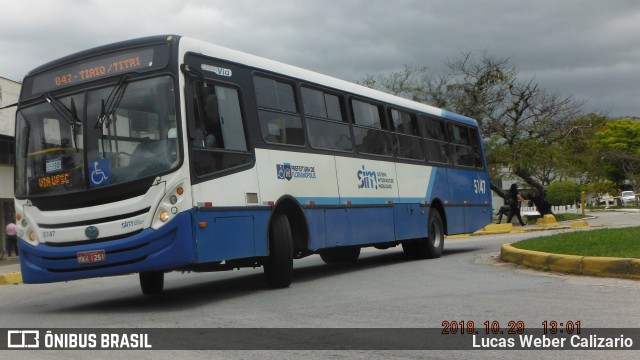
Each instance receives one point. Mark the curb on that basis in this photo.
(14, 278)
(548, 222)
(572, 264)
(495, 229)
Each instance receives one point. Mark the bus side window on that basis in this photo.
(277, 109)
(477, 148)
(437, 148)
(462, 152)
(366, 114)
(324, 119)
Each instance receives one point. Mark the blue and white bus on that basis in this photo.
(167, 153)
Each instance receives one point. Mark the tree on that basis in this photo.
(579, 157)
(563, 193)
(517, 118)
(618, 141)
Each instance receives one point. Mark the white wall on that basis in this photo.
(6, 182)
(9, 92)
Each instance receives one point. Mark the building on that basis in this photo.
(9, 92)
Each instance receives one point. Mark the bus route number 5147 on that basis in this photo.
(480, 186)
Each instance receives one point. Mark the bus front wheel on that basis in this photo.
(151, 282)
(278, 266)
(431, 246)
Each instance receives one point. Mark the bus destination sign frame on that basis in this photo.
(112, 64)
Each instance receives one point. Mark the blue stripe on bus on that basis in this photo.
(457, 117)
(319, 201)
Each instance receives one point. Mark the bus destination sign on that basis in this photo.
(53, 180)
(99, 67)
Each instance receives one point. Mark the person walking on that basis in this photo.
(503, 210)
(11, 233)
(514, 204)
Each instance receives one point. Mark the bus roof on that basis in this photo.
(220, 52)
(197, 46)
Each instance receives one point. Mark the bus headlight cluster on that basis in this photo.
(169, 206)
(25, 231)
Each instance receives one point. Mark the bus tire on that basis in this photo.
(429, 247)
(278, 266)
(340, 255)
(151, 282)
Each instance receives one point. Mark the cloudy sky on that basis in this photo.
(587, 49)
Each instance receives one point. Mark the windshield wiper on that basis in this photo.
(109, 106)
(107, 110)
(69, 115)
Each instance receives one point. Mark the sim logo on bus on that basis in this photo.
(368, 179)
(379, 180)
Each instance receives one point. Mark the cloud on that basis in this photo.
(584, 48)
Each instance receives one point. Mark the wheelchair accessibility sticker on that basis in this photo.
(100, 173)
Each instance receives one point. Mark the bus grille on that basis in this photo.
(95, 221)
(94, 241)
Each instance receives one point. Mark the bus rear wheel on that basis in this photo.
(278, 266)
(431, 246)
(151, 282)
(340, 255)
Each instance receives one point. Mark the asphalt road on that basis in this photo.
(382, 290)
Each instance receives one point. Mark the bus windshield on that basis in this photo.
(102, 137)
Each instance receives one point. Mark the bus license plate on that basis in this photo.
(89, 257)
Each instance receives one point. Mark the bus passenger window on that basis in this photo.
(403, 123)
(278, 128)
(478, 159)
(371, 141)
(329, 135)
(462, 153)
(324, 120)
(366, 114)
(280, 122)
(409, 147)
(436, 146)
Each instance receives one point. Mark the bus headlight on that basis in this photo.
(171, 204)
(163, 216)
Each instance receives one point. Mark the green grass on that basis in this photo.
(623, 243)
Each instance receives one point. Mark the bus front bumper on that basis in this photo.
(164, 249)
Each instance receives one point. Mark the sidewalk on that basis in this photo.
(9, 260)
(10, 270)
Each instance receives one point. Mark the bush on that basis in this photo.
(563, 193)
